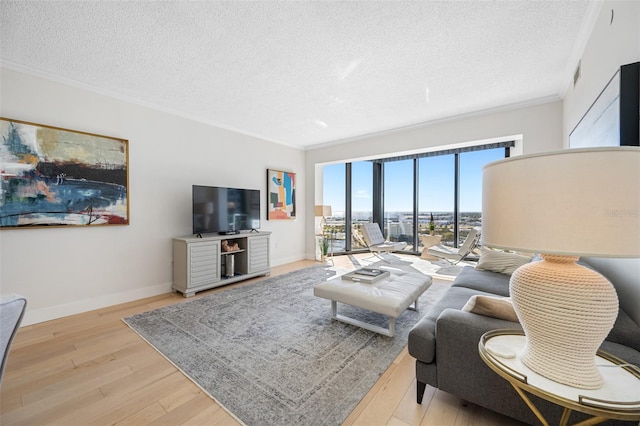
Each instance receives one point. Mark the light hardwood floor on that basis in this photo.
(91, 369)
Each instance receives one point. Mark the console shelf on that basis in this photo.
(198, 262)
(230, 252)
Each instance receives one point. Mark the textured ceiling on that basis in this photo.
(308, 72)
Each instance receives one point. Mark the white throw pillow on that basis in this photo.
(496, 307)
(501, 261)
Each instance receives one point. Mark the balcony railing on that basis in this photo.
(399, 227)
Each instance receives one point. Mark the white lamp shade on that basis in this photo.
(583, 202)
(322, 211)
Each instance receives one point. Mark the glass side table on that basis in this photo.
(619, 398)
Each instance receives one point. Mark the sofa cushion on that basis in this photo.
(485, 281)
(422, 338)
(470, 282)
(500, 261)
(625, 331)
(626, 353)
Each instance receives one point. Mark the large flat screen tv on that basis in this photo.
(225, 210)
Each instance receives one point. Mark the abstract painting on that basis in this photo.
(600, 126)
(57, 177)
(281, 190)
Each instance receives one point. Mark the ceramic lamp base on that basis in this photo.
(566, 311)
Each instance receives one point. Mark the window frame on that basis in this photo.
(378, 191)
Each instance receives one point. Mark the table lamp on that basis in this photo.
(563, 205)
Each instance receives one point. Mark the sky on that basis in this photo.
(436, 183)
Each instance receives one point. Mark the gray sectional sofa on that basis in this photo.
(445, 345)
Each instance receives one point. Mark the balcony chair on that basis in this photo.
(12, 307)
(455, 255)
(376, 243)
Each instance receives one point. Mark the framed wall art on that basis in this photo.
(58, 177)
(612, 119)
(281, 193)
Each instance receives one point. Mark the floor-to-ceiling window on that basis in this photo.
(403, 193)
(334, 195)
(436, 196)
(398, 201)
(471, 164)
(361, 200)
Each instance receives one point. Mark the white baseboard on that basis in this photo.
(289, 259)
(34, 316)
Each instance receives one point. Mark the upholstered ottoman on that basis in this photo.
(389, 296)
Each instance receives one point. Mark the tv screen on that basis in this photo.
(225, 210)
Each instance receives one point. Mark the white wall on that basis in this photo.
(610, 45)
(63, 271)
(537, 128)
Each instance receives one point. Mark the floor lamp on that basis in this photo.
(566, 204)
(323, 211)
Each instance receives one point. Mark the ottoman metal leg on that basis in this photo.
(348, 320)
(414, 307)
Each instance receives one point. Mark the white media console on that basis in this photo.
(200, 264)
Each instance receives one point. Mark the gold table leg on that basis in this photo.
(591, 421)
(532, 407)
(564, 420)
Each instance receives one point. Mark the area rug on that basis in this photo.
(269, 353)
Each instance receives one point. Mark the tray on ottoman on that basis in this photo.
(366, 275)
